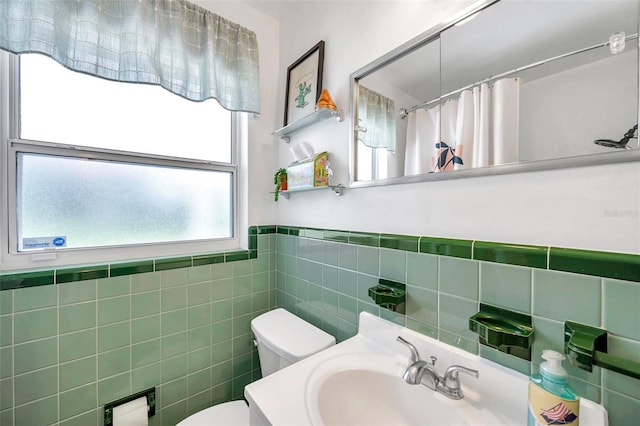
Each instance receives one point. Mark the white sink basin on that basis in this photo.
(359, 382)
(352, 389)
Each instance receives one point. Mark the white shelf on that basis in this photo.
(318, 116)
(338, 189)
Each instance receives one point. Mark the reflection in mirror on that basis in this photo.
(517, 82)
(406, 80)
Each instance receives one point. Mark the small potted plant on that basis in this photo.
(280, 180)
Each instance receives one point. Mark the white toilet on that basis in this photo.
(282, 339)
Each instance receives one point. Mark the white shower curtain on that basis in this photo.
(480, 128)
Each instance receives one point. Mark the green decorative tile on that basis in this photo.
(621, 308)
(562, 296)
(454, 313)
(336, 236)
(456, 340)
(509, 361)
(235, 256)
(620, 408)
(145, 304)
(82, 420)
(110, 287)
(173, 263)
(459, 277)
(173, 298)
(393, 265)
(77, 401)
(620, 266)
(145, 329)
(198, 316)
(6, 330)
(42, 412)
(208, 259)
(173, 392)
(145, 353)
(512, 254)
(175, 344)
(77, 345)
(368, 260)
(348, 256)
(145, 377)
(6, 396)
(81, 274)
(399, 242)
(6, 363)
(506, 286)
(114, 362)
(130, 268)
(34, 325)
(6, 302)
(114, 388)
(364, 239)
(173, 321)
(284, 230)
(267, 229)
(317, 234)
(27, 279)
(35, 355)
(199, 381)
(82, 291)
(174, 368)
(446, 247)
(114, 309)
(253, 242)
(145, 282)
(422, 270)
(26, 299)
(78, 373)
(36, 385)
(422, 305)
(253, 230)
(114, 336)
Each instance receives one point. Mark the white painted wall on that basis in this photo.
(592, 207)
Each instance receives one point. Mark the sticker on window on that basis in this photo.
(44, 242)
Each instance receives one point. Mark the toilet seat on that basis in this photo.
(234, 413)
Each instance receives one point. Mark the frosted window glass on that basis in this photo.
(98, 203)
(59, 105)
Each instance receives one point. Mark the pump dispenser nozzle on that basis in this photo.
(553, 363)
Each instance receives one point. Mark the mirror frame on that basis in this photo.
(614, 157)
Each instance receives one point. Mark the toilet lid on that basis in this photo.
(234, 413)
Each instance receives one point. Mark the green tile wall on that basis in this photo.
(183, 325)
(323, 277)
(104, 332)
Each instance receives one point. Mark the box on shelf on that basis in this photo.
(309, 173)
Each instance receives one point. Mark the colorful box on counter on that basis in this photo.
(309, 173)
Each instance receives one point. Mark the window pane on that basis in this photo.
(97, 203)
(59, 105)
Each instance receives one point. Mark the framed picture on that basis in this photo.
(304, 84)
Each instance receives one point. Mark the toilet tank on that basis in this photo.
(283, 338)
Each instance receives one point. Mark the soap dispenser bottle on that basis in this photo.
(551, 400)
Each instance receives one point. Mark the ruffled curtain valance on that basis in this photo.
(172, 43)
(376, 119)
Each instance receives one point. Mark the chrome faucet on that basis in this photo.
(421, 372)
(449, 384)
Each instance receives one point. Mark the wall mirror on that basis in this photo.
(511, 86)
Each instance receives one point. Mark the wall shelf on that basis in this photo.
(318, 116)
(338, 189)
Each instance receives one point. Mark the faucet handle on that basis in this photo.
(415, 356)
(451, 374)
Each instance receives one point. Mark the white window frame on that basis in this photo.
(11, 259)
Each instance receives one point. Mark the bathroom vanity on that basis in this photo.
(359, 382)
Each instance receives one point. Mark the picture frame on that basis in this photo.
(304, 84)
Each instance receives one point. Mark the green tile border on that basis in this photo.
(130, 268)
(511, 254)
(399, 242)
(81, 274)
(447, 247)
(622, 266)
(26, 279)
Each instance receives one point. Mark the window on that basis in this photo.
(113, 171)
